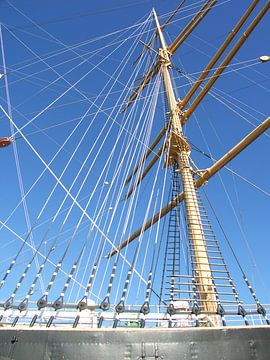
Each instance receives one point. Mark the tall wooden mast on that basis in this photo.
(179, 152)
(205, 292)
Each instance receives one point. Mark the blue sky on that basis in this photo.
(38, 28)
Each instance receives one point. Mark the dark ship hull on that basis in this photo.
(229, 343)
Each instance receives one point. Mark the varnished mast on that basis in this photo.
(178, 149)
(205, 175)
(179, 152)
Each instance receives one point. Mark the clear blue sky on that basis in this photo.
(63, 23)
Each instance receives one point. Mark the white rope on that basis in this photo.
(72, 86)
(107, 166)
(62, 148)
(72, 47)
(248, 181)
(89, 41)
(54, 157)
(85, 178)
(16, 156)
(75, 229)
(92, 53)
(133, 202)
(130, 153)
(101, 146)
(61, 184)
(33, 248)
(77, 45)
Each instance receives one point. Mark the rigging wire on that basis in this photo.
(71, 86)
(196, 148)
(67, 48)
(16, 155)
(126, 28)
(85, 42)
(84, 14)
(150, 110)
(60, 183)
(101, 175)
(58, 152)
(131, 155)
(34, 249)
(43, 300)
(98, 257)
(178, 87)
(88, 53)
(150, 201)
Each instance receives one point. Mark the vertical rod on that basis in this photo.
(192, 208)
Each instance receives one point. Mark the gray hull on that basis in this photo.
(115, 344)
